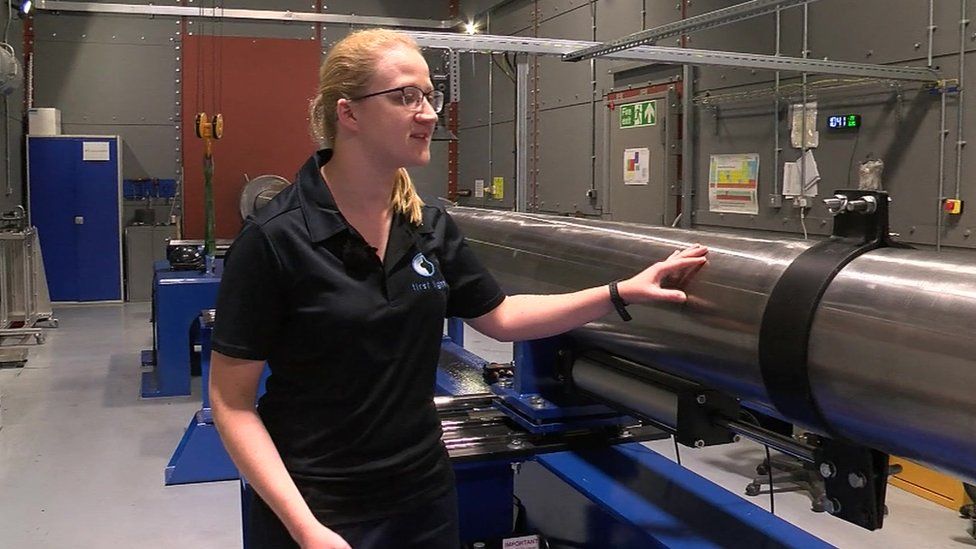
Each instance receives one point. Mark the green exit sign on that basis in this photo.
(636, 115)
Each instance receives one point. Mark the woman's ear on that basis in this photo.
(345, 116)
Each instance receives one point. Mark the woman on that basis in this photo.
(341, 284)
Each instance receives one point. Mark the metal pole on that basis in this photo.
(931, 30)
(593, 103)
(961, 101)
(776, 105)
(521, 132)
(943, 133)
(768, 438)
(687, 146)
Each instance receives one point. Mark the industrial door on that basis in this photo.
(74, 197)
(642, 155)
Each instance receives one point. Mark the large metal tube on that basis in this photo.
(891, 361)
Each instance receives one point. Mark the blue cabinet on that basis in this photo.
(74, 197)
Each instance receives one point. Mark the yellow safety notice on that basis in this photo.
(498, 188)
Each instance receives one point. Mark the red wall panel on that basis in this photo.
(262, 86)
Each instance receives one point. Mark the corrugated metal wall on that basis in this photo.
(121, 75)
(901, 122)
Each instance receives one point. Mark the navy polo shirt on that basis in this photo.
(352, 344)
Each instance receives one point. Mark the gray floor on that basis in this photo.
(82, 457)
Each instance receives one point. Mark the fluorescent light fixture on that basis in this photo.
(25, 7)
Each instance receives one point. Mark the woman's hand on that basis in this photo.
(319, 537)
(662, 281)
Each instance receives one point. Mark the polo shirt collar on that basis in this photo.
(322, 215)
(318, 206)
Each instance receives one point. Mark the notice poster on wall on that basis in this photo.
(636, 166)
(733, 181)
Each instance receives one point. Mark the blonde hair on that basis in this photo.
(346, 73)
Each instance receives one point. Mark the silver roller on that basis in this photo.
(891, 357)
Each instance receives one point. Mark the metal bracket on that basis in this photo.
(856, 479)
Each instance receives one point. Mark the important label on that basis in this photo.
(637, 115)
(523, 542)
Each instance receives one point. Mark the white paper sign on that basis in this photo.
(479, 188)
(95, 151)
(523, 542)
(636, 166)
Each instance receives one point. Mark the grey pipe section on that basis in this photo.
(943, 134)
(931, 30)
(961, 107)
(648, 400)
(891, 354)
(687, 145)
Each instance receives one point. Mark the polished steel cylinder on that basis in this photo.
(891, 361)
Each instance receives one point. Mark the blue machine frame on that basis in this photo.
(200, 455)
(623, 496)
(178, 297)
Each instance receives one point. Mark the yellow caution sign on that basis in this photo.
(498, 188)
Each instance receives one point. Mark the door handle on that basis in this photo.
(79, 220)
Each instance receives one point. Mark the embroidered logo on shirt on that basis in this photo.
(422, 265)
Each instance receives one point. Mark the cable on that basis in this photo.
(803, 221)
(769, 471)
(850, 163)
(677, 454)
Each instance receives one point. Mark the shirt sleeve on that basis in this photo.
(250, 300)
(473, 290)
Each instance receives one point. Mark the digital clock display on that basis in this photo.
(844, 121)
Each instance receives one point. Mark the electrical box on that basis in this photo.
(44, 121)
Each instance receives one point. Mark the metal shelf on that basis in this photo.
(230, 13)
(681, 56)
(712, 19)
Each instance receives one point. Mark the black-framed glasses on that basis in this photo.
(413, 97)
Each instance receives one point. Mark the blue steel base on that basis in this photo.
(627, 496)
(178, 298)
(200, 456)
(485, 491)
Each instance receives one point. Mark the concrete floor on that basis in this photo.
(82, 457)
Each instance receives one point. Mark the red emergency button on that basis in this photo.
(952, 206)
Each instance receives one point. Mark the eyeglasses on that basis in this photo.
(413, 97)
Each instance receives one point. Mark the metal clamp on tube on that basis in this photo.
(860, 225)
(854, 476)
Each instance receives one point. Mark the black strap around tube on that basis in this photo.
(784, 336)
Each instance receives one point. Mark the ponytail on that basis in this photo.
(405, 199)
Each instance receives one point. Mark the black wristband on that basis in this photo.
(618, 302)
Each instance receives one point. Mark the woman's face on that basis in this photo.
(395, 133)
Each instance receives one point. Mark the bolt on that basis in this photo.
(699, 443)
(516, 443)
(832, 506)
(700, 399)
(857, 480)
(827, 470)
(736, 438)
(917, 45)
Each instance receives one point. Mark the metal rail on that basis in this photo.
(551, 46)
(231, 13)
(712, 19)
